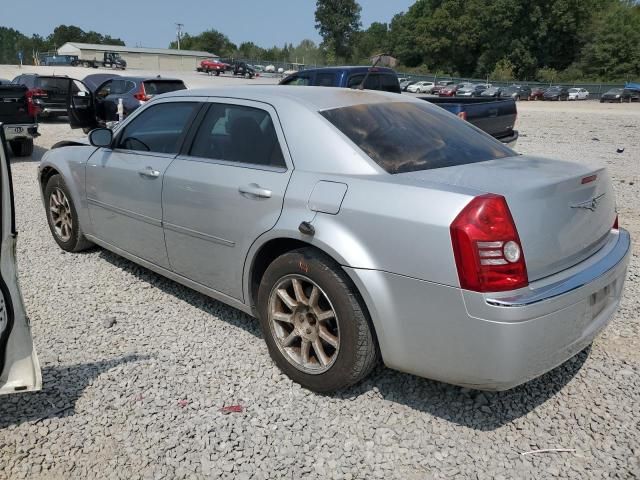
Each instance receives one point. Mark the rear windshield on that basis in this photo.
(406, 137)
(53, 84)
(157, 87)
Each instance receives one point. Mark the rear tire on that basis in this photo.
(62, 216)
(22, 148)
(321, 336)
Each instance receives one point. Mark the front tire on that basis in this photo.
(62, 216)
(22, 148)
(314, 322)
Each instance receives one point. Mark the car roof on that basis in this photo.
(355, 69)
(314, 98)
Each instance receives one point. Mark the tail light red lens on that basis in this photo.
(141, 94)
(32, 108)
(487, 248)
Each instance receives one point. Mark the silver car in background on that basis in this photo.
(355, 225)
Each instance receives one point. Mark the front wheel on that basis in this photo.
(314, 322)
(62, 216)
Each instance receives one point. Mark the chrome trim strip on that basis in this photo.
(127, 213)
(200, 235)
(608, 263)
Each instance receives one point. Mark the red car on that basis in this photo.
(448, 91)
(212, 65)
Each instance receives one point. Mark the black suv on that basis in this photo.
(244, 69)
(48, 93)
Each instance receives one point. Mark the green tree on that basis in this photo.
(210, 41)
(338, 21)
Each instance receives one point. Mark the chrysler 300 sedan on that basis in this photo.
(355, 226)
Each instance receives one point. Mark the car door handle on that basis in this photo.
(254, 190)
(149, 172)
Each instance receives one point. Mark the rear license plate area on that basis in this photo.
(599, 300)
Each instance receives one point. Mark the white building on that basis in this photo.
(142, 58)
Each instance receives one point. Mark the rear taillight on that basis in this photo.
(615, 223)
(141, 94)
(462, 115)
(487, 247)
(32, 94)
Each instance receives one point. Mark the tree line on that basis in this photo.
(12, 42)
(547, 40)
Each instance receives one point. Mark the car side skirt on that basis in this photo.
(174, 276)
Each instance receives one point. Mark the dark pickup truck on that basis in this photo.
(496, 117)
(18, 118)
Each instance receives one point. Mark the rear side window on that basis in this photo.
(118, 87)
(325, 79)
(157, 87)
(158, 128)
(238, 134)
(389, 83)
(406, 137)
(372, 82)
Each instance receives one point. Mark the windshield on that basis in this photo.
(615, 90)
(405, 137)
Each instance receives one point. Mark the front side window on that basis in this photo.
(405, 137)
(158, 128)
(239, 134)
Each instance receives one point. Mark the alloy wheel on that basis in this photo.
(60, 211)
(304, 324)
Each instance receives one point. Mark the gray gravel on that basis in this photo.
(136, 369)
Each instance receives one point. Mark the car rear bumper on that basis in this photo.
(21, 131)
(494, 342)
(510, 140)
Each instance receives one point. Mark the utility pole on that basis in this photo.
(179, 32)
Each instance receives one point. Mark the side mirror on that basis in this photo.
(101, 137)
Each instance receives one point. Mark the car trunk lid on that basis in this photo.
(563, 211)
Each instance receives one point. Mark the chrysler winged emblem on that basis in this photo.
(589, 204)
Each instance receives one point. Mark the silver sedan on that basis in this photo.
(355, 225)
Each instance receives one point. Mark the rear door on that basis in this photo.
(19, 366)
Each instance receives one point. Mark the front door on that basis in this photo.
(124, 183)
(224, 193)
(19, 367)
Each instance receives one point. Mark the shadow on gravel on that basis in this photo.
(186, 294)
(62, 387)
(470, 408)
(36, 156)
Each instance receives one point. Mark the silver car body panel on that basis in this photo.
(19, 365)
(391, 235)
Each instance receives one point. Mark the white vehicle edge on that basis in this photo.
(19, 366)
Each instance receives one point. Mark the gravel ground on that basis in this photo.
(136, 369)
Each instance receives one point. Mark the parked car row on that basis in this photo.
(47, 95)
(517, 92)
(216, 66)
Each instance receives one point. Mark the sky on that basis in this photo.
(152, 24)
